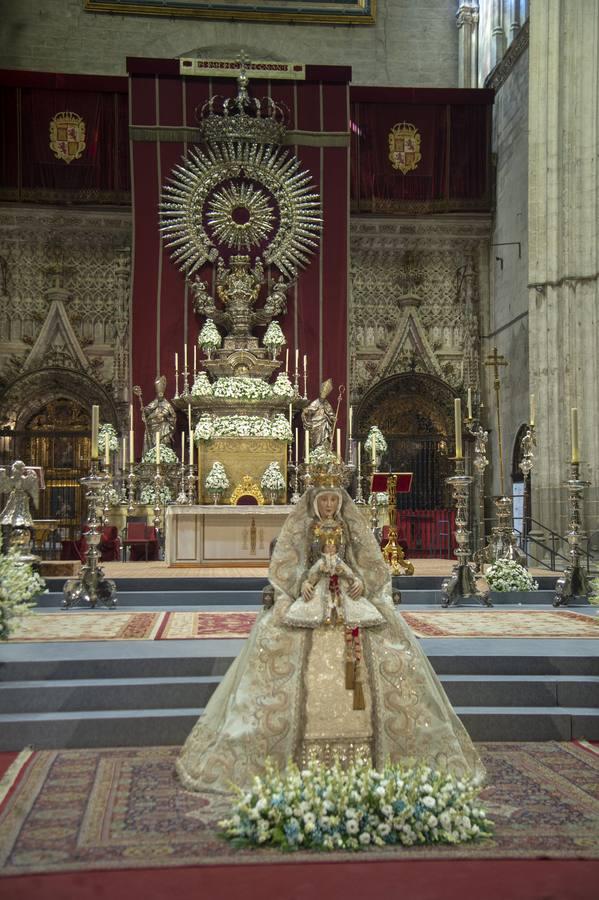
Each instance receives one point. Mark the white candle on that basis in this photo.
(457, 410)
(359, 458)
(290, 415)
(189, 415)
(574, 434)
(351, 422)
(182, 448)
(95, 429)
(195, 359)
(306, 446)
(177, 363)
(124, 454)
(339, 443)
(296, 359)
(532, 410)
(131, 446)
(305, 365)
(373, 449)
(157, 448)
(296, 446)
(106, 451)
(185, 356)
(469, 403)
(130, 417)
(287, 361)
(190, 449)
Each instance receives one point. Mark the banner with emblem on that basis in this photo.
(67, 136)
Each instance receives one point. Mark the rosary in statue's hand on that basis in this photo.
(355, 589)
(307, 591)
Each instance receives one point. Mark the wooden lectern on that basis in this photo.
(393, 483)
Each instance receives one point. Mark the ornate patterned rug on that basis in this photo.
(110, 625)
(491, 623)
(122, 808)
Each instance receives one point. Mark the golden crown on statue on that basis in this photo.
(327, 470)
(242, 118)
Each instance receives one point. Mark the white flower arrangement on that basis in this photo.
(355, 807)
(108, 431)
(242, 387)
(167, 455)
(509, 575)
(209, 337)
(210, 427)
(379, 441)
(113, 497)
(19, 585)
(283, 387)
(273, 336)
(322, 456)
(381, 498)
(272, 480)
(148, 495)
(216, 480)
(201, 386)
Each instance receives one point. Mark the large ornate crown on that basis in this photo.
(242, 118)
(327, 470)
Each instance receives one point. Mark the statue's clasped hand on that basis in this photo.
(355, 589)
(307, 591)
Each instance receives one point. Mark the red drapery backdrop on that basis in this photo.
(455, 131)
(162, 313)
(29, 170)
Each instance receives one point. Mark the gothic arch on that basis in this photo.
(412, 403)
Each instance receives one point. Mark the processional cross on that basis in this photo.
(496, 360)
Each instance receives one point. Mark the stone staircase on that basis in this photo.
(140, 693)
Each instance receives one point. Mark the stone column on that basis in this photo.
(467, 22)
(563, 265)
(497, 32)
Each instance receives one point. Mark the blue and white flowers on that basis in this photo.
(351, 807)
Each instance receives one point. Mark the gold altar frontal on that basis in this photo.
(242, 457)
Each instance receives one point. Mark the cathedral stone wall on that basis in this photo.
(507, 325)
(414, 42)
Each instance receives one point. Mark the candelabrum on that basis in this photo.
(191, 484)
(480, 463)
(374, 512)
(182, 496)
(105, 495)
(131, 479)
(461, 584)
(503, 540)
(158, 487)
(293, 470)
(574, 581)
(393, 551)
(304, 476)
(91, 586)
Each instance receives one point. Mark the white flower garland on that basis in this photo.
(509, 575)
(210, 427)
(379, 440)
(209, 337)
(148, 495)
(354, 807)
(272, 479)
(273, 336)
(19, 585)
(201, 386)
(167, 455)
(108, 431)
(241, 387)
(216, 480)
(283, 387)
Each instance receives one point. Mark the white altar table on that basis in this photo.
(210, 535)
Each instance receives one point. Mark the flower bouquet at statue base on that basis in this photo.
(216, 482)
(509, 575)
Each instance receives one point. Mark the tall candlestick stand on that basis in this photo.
(176, 397)
(461, 584)
(305, 385)
(91, 585)
(574, 582)
(503, 540)
(186, 386)
(527, 445)
(480, 463)
(182, 497)
(191, 484)
(296, 382)
(158, 485)
(131, 479)
(105, 494)
(393, 551)
(374, 513)
(293, 477)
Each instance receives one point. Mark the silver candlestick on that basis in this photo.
(574, 581)
(131, 479)
(191, 484)
(461, 584)
(91, 585)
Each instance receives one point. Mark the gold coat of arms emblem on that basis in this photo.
(67, 136)
(404, 147)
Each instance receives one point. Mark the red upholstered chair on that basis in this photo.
(142, 541)
(110, 544)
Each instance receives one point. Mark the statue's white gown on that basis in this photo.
(284, 697)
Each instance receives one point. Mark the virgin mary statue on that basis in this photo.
(330, 669)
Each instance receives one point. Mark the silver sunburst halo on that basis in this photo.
(241, 215)
(188, 203)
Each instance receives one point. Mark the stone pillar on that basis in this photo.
(563, 247)
(467, 22)
(515, 18)
(497, 32)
